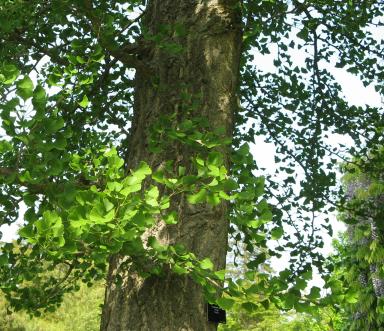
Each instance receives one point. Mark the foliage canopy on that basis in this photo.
(66, 85)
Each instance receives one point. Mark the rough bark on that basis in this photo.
(207, 69)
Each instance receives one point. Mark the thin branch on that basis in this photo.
(125, 54)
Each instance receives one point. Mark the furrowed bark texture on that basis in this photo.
(206, 69)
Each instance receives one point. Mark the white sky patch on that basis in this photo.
(10, 231)
(354, 90)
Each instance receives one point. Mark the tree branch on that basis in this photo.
(125, 54)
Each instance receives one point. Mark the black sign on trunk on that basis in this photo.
(216, 314)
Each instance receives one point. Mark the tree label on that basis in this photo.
(216, 314)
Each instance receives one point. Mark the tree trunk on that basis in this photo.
(206, 68)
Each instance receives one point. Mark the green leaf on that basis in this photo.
(114, 186)
(99, 215)
(277, 233)
(133, 187)
(143, 170)
(302, 307)
(80, 60)
(158, 176)
(199, 161)
(220, 274)
(78, 44)
(206, 264)
(290, 300)
(165, 203)
(229, 185)
(197, 197)
(84, 102)
(182, 171)
(50, 229)
(108, 205)
(5, 146)
(97, 55)
(213, 199)
(54, 124)
(25, 88)
(26, 231)
(352, 296)
(314, 293)
(225, 302)
(213, 170)
(301, 284)
(243, 150)
(39, 99)
(155, 244)
(25, 177)
(253, 223)
(49, 219)
(171, 218)
(3, 259)
(153, 192)
(247, 195)
(254, 264)
(215, 159)
(266, 216)
(151, 196)
(143, 220)
(307, 275)
(10, 73)
(189, 180)
(39, 94)
(178, 270)
(249, 306)
(115, 162)
(133, 182)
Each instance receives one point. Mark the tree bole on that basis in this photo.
(205, 66)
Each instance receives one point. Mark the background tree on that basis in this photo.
(79, 311)
(130, 143)
(359, 259)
